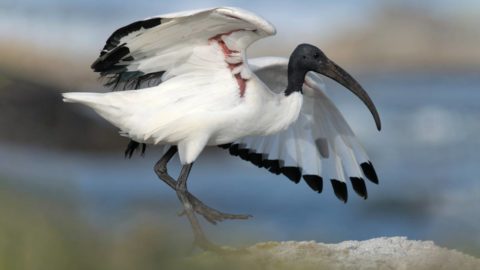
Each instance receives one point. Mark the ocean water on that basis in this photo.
(426, 157)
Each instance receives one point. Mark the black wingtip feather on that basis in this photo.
(234, 150)
(256, 159)
(369, 171)
(108, 61)
(315, 182)
(116, 36)
(359, 187)
(293, 173)
(274, 166)
(244, 153)
(225, 146)
(340, 189)
(261, 160)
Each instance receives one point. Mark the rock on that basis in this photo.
(379, 253)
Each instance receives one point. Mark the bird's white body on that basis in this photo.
(210, 94)
(184, 114)
(200, 102)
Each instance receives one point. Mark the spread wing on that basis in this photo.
(319, 145)
(149, 52)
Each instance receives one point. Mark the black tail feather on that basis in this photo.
(132, 147)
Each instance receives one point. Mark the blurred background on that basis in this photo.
(68, 198)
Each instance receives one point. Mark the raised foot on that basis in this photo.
(211, 215)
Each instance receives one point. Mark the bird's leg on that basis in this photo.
(161, 168)
(211, 215)
(200, 238)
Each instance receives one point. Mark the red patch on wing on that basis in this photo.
(242, 83)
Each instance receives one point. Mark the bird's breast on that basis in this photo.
(259, 115)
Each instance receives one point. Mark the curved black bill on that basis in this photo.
(336, 73)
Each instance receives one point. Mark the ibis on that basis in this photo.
(184, 82)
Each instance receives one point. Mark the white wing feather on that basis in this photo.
(161, 46)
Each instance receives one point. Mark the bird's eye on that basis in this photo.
(316, 55)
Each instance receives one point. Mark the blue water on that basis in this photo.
(426, 156)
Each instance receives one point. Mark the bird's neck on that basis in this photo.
(296, 78)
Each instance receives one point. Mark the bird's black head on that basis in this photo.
(306, 58)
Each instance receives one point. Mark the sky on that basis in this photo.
(82, 25)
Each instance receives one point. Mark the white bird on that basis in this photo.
(196, 88)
